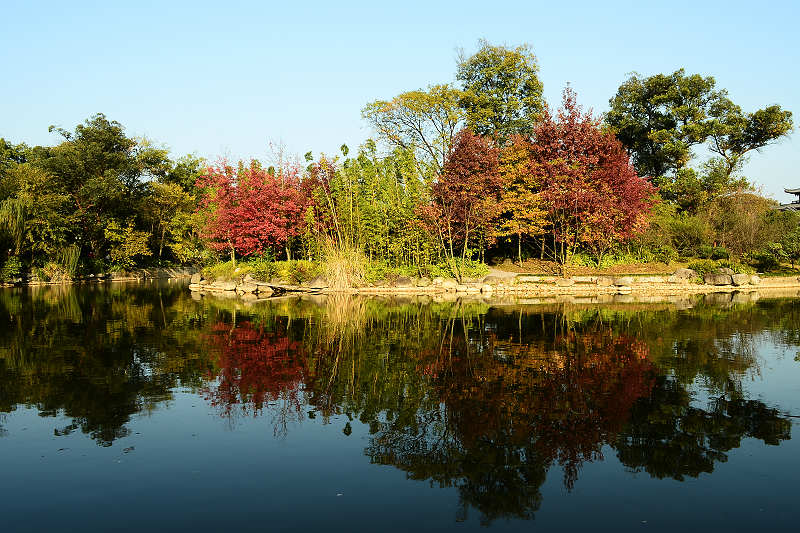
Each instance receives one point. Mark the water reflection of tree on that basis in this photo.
(486, 400)
(96, 355)
(508, 415)
(256, 368)
(668, 437)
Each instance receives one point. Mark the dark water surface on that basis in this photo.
(138, 408)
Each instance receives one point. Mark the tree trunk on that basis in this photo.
(519, 247)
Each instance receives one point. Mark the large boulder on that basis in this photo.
(624, 281)
(449, 284)
(493, 280)
(424, 282)
(265, 291)
(725, 270)
(223, 286)
(717, 279)
(247, 288)
(565, 282)
(755, 279)
(403, 281)
(196, 278)
(740, 279)
(605, 281)
(684, 274)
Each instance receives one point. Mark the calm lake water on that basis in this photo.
(139, 408)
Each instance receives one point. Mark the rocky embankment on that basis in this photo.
(501, 283)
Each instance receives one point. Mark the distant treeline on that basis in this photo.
(457, 173)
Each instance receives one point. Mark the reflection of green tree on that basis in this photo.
(96, 355)
(669, 438)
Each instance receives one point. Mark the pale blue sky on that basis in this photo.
(224, 78)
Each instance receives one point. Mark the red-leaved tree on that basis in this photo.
(466, 196)
(591, 192)
(251, 210)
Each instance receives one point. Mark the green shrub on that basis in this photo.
(262, 269)
(705, 252)
(296, 272)
(708, 266)
(12, 268)
(665, 254)
(770, 257)
(720, 252)
(703, 266)
(221, 271)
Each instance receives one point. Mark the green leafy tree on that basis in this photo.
(501, 90)
(661, 118)
(127, 244)
(425, 122)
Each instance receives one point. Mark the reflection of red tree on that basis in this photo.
(255, 368)
(565, 400)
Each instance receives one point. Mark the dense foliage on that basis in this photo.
(468, 171)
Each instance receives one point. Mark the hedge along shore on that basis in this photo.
(682, 282)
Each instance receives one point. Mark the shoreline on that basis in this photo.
(523, 286)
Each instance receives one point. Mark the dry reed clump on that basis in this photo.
(344, 267)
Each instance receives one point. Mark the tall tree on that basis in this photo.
(522, 204)
(423, 121)
(592, 193)
(502, 94)
(466, 195)
(661, 118)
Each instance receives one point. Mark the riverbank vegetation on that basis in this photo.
(458, 175)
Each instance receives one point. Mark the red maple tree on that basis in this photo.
(466, 196)
(251, 210)
(590, 189)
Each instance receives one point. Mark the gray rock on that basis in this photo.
(196, 278)
(449, 284)
(437, 281)
(717, 279)
(740, 279)
(223, 285)
(265, 291)
(423, 282)
(486, 288)
(493, 280)
(624, 281)
(247, 288)
(565, 282)
(755, 279)
(683, 274)
(461, 288)
(605, 281)
(725, 270)
(403, 281)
